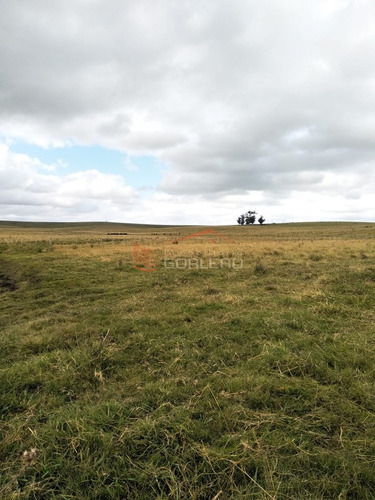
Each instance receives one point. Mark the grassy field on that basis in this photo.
(197, 379)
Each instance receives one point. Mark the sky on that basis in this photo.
(188, 111)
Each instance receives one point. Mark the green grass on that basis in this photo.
(188, 384)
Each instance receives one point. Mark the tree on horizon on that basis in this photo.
(261, 220)
(249, 218)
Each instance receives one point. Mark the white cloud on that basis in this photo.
(27, 191)
(237, 98)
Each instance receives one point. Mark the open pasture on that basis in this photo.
(191, 380)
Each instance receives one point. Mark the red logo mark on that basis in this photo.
(214, 236)
(144, 259)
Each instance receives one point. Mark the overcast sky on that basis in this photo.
(187, 111)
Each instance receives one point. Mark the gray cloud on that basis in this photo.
(233, 96)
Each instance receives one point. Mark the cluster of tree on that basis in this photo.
(250, 218)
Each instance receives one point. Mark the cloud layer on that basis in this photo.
(242, 100)
(34, 191)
